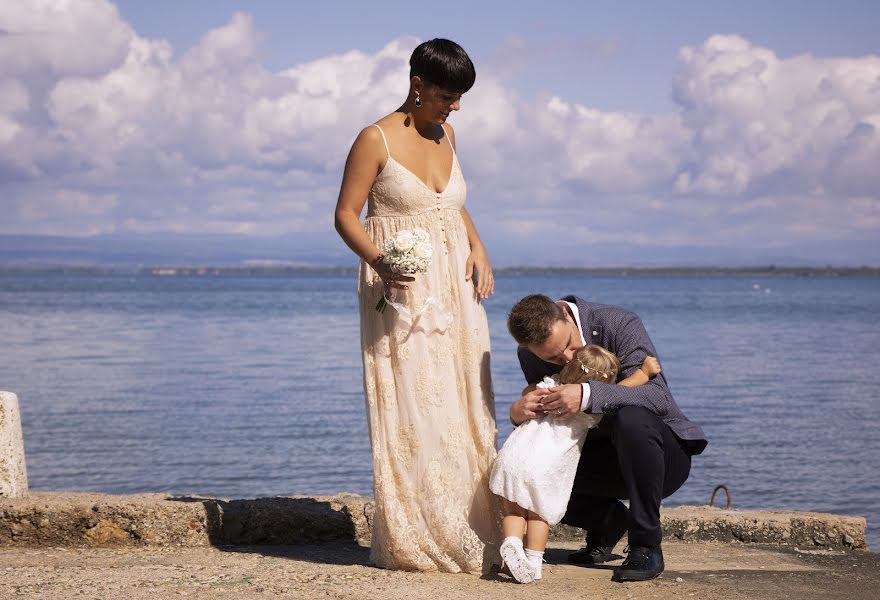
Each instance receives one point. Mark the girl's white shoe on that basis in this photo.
(515, 558)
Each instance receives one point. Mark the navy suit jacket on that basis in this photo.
(621, 332)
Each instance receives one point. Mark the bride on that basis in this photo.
(427, 383)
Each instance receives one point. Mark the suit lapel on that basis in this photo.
(591, 330)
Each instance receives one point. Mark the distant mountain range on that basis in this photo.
(325, 249)
(308, 249)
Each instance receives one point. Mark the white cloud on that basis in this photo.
(59, 211)
(67, 38)
(764, 122)
(107, 128)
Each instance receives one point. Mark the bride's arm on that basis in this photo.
(361, 168)
(363, 164)
(478, 260)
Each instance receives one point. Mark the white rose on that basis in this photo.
(423, 251)
(403, 241)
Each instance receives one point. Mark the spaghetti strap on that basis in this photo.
(384, 139)
(448, 139)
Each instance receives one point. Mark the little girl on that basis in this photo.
(535, 469)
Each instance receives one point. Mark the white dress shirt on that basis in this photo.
(585, 393)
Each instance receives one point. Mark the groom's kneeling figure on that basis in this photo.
(642, 448)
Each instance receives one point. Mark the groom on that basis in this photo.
(641, 449)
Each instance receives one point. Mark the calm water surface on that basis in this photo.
(243, 386)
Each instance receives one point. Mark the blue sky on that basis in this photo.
(611, 55)
(674, 126)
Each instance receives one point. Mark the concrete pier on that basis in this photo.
(140, 547)
(64, 519)
(13, 471)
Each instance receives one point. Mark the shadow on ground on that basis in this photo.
(328, 553)
(559, 556)
(297, 528)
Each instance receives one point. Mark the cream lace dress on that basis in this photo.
(428, 390)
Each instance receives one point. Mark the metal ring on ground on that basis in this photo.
(726, 491)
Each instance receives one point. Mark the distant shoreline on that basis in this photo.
(623, 271)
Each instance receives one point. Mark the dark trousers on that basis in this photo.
(633, 454)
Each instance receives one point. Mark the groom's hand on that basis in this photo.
(564, 401)
(528, 407)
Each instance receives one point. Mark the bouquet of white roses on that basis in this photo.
(407, 252)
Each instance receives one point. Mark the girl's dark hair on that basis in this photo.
(443, 63)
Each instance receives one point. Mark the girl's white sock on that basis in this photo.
(512, 539)
(536, 559)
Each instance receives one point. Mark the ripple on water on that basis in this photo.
(246, 386)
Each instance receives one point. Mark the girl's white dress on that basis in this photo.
(536, 466)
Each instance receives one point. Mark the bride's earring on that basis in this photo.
(418, 101)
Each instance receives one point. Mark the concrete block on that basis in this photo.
(13, 471)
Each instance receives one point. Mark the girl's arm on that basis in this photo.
(650, 367)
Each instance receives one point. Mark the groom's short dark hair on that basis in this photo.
(531, 319)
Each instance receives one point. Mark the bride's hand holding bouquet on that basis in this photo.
(405, 253)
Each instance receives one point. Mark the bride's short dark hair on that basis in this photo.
(443, 63)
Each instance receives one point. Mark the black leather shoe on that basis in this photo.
(591, 554)
(642, 563)
(600, 545)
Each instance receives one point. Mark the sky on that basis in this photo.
(612, 132)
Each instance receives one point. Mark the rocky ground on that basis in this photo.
(340, 570)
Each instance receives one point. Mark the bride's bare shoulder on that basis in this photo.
(368, 148)
(392, 122)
